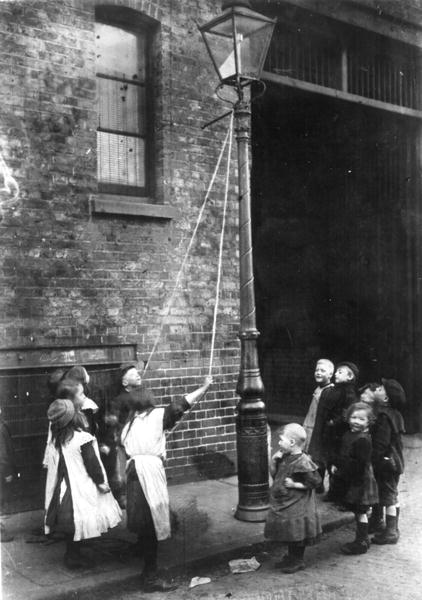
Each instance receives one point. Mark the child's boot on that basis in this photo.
(390, 534)
(376, 521)
(361, 543)
(151, 581)
(73, 558)
(293, 561)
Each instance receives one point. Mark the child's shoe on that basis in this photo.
(376, 520)
(151, 582)
(294, 565)
(73, 559)
(157, 584)
(386, 537)
(284, 562)
(376, 525)
(356, 547)
(390, 534)
(361, 543)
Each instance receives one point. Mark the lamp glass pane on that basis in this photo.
(251, 48)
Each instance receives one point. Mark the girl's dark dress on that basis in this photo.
(355, 475)
(293, 516)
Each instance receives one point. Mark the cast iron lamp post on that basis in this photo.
(237, 42)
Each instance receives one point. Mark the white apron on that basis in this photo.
(93, 512)
(145, 444)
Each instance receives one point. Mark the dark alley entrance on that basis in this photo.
(336, 250)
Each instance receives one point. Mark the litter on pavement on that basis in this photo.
(199, 581)
(244, 565)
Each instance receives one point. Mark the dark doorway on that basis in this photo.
(334, 194)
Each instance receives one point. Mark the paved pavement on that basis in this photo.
(204, 528)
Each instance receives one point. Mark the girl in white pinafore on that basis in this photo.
(78, 502)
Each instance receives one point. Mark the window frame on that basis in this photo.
(133, 22)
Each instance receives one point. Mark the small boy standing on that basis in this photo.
(343, 396)
(315, 419)
(293, 516)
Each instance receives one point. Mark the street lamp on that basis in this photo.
(237, 42)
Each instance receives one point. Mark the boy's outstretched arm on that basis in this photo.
(198, 393)
(174, 411)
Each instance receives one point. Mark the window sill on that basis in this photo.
(132, 206)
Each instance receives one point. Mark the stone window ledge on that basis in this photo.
(131, 206)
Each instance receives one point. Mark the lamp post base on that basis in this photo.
(251, 514)
(252, 461)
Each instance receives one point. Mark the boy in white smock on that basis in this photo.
(143, 438)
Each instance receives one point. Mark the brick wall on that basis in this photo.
(73, 277)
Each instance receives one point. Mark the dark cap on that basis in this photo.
(126, 366)
(354, 368)
(394, 391)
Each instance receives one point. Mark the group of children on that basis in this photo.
(79, 503)
(353, 436)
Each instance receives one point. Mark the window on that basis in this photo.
(124, 134)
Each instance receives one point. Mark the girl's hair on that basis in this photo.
(67, 389)
(77, 373)
(65, 434)
(361, 406)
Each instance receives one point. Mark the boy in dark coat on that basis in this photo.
(388, 454)
(342, 396)
(112, 454)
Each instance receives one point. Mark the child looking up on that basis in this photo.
(77, 499)
(144, 440)
(80, 376)
(342, 396)
(315, 420)
(354, 473)
(388, 454)
(293, 517)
